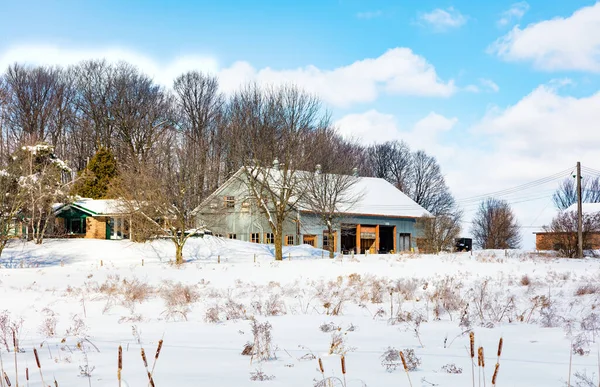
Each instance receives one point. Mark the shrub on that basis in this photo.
(262, 348)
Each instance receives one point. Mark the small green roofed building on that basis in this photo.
(93, 219)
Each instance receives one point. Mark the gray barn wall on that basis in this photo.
(312, 225)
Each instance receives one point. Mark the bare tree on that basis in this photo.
(200, 115)
(438, 233)
(268, 130)
(561, 233)
(566, 194)
(392, 161)
(428, 186)
(495, 226)
(11, 202)
(158, 201)
(38, 104)
(329, 196)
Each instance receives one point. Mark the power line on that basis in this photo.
(518, 188)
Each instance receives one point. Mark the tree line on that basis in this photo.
(164, 150)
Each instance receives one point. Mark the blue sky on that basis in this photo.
(502, 92)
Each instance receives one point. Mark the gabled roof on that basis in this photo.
(93, 207)
(376, 197)
(379, 197)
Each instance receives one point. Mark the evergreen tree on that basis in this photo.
(96, 177)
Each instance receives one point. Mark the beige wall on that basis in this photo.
(96, 228)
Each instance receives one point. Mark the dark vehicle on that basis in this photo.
(464, 244)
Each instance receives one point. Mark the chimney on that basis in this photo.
(355, 172)
(276, 165)
(318, 169)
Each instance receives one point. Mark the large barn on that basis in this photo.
(382, 219)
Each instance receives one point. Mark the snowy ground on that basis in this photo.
(102, 294)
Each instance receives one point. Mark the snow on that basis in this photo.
(586, 208)
(98, 206)
(67, 280)
(379, 197)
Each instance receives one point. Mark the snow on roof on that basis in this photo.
(379, 197)
(95, 206)
(586, 208)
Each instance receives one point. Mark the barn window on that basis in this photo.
(289, 240)
(255, 237)
(269, 238)
(232, 236)
(229, 201)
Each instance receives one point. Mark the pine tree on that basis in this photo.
(95, 179)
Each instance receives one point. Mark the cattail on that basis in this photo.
(481, 359)
(343, 365)
(144, 358)
(150, 380)
(37, 362)
(472, 346)
(120, 364)
(500, 347)
(321, 366)
(160, 343)
(495, 374)
(55, 383)
(37, 359)
(27, 373)
(403, 361)
(7, 379)
(405, 367)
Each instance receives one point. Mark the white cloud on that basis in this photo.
(489, 85)
(543, 133)
(398, 71)
(513, 14)
(54, 55)
(441, 20)
(369, 14)
(373, 127)
(571, 43)
(484, 85)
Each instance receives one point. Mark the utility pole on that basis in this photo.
(579, 214)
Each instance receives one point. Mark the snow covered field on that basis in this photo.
(78, 300)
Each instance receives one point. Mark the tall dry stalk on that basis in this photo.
(39, 365)
(27, 375)
(479, 367)
(143, 353)
(495, 376)
(120, 364)
(405, 367)
(570, 364)
(6, 379)
(1, 370)
(16, 347)
(472, 342)
(151, 378)
(481, 358)
(344, 368)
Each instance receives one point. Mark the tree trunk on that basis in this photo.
(279, 242)
(178, 253)
(331, 244)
